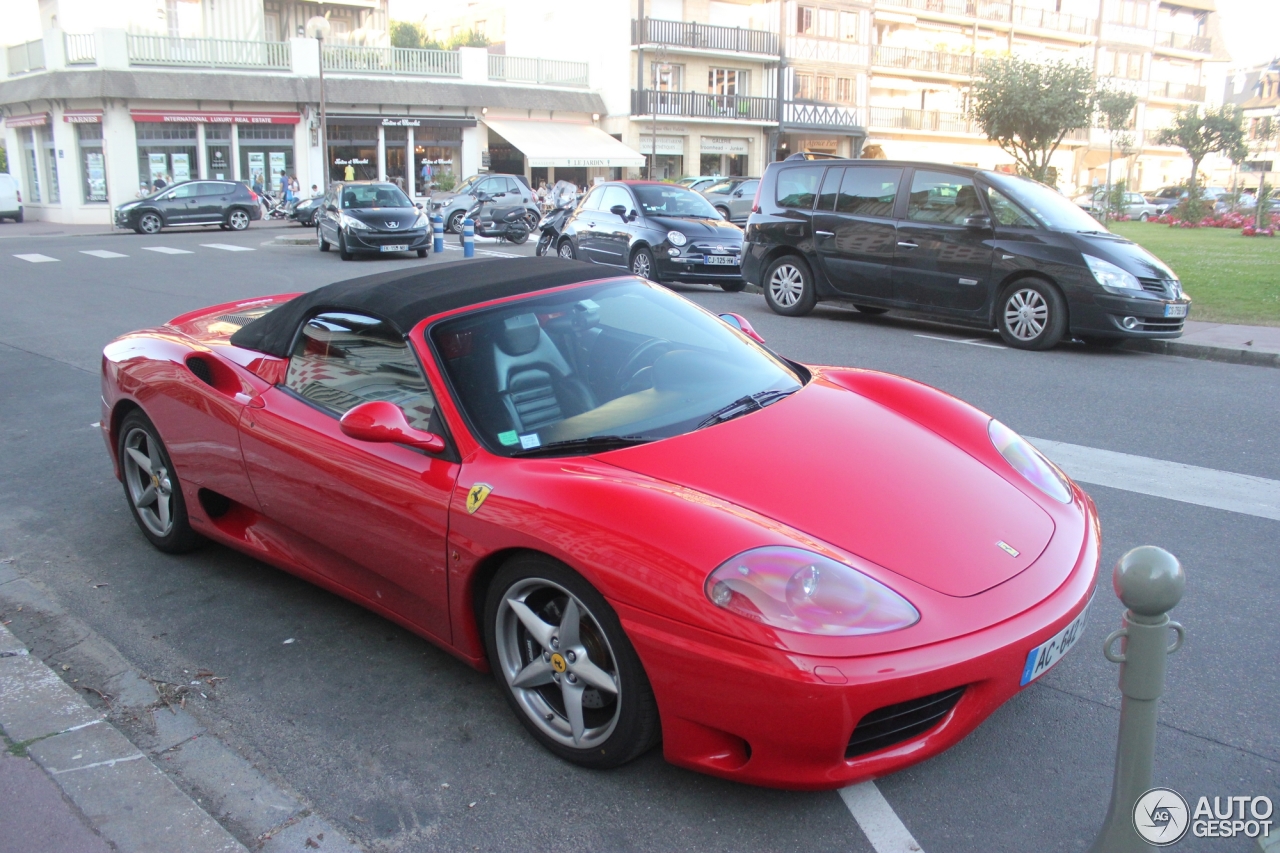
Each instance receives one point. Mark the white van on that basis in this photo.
(10, 198)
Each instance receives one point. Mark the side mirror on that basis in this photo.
(332, 208)
(737, 194)
(384, 422)
(418, 205)
(978, 222)
(619, 210)
(740, 323)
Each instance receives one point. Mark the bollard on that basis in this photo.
(437, 233)
(468, 239)
(1149, 580)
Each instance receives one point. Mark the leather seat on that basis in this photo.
(535, 383)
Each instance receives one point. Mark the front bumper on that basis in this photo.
(1105, 315)
(693, 267)
(768, 717)
(373, 241)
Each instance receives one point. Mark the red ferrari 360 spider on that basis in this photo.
(643, 521)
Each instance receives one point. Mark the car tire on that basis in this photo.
(871, 310)
(454, 223)
(1031, 315)
(18, 218)
(1144, 216)
(788, 287)
(544, 243)
(237, 219)
(733, 286)
(566, 250)
(422, 253)
(151, 486)
(563, 700)
(642, 264)
(342, 247)
(149, 223)
(324, 244)
(723, 211)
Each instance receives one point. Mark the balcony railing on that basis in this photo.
(1178, 41)
(818, 115)
(703, 36)
(826, 50)
(1047, 19)
(700, 105)
(998, 10)
(391, 60)
(924, 61)
(1177, 91)
(26, 57)
(208, 53)
(904, 118)
(546, 72)
(81, 49)
(1125, 34)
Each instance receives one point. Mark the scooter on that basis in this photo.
(564, 197)
(512, 223)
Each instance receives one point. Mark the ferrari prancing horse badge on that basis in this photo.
(475, 497)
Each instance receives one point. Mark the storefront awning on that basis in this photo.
(206, 117)
(29, 120)
(560, 144)
(82, 116)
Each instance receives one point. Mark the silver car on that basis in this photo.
(453, 206)
(732, 197)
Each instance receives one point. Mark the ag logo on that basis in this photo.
(475, 497)
(1160, 817)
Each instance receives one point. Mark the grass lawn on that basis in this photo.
(1230, 278)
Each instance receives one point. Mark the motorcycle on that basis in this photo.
(512, 223)
(564, 197)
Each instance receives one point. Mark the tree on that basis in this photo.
(1219, 130)
(467, 38)
(1115, 109)
(409, 34)
(4, 159)
(1027, 108)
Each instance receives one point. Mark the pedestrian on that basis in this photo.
(284, 185)
(143, 191)
(426, 176)
(294, 188)
(349, 173)
(315, 191)
(159, 183)
(257, 183)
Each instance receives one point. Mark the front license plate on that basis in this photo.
(1044, 656)
(398, 247)
(722, 260)
(1175, 310)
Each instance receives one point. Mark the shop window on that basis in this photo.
(266, 151)
(32, 169)
(49, 165)
(93, 168)
(166, 153)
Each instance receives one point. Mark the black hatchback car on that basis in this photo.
(371, 216)
(966, 245)
(662, 232)
(230, 204)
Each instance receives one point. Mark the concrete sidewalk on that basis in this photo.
(32, 228)
(1257, 345)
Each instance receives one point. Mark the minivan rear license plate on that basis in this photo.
(1175, 310)
(1045, 655)
(722, 260)
(397, 247)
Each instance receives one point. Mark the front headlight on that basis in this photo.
(422, 221)
(1111, 276)
(675, 238)
(1028, 461)
(351, 222)
(797, 590)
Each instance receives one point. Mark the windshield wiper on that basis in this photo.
(1095, 231)
(743, 405)
(589, 443)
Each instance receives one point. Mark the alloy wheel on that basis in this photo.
(558, 663)
(238, 220)
(1025, 314)
(148, 480)
(566, 250)
(786, 285)
(641, 266)
(149, 223)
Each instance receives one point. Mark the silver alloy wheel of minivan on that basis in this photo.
(786, 285)
(1026, 314)
(238, 219)
(149, 223)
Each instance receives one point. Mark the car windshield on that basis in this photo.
(1050, 208)
(468, 185)
(722, 186)
(673, 200)
(374, 196)
(600, 366)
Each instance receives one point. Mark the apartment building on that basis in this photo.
(1256, 90)
(872, 77)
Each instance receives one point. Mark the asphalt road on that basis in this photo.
(370, 723)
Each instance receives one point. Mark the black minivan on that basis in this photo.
(966, 245)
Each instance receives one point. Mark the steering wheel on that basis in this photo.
(635, 363)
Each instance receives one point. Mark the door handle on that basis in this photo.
(908, 245)
(825, 233)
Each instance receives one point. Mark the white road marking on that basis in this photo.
(973, 342)
(165, 250)
(1175, 481)
(877, 819)
(102, 253)
(496, 254)
(37, 259)
(227, 247)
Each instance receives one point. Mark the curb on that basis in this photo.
(142, 769)
(1204, 352)
(301, 240)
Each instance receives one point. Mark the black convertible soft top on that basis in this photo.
(405, 297)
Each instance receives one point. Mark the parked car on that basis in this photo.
(700, 182)
(732, 197)
(10, 198)
(660, 231)
(453, 206)
(967, 245)
(1166, 198)
(1134, 205)
(371, 216)
(304, 210)
(645, 525)
(228, 204)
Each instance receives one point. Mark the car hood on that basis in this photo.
(383, 217)
(716, 229)
(864, 478)
(1126, 254)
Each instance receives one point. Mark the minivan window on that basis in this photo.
(1049, 207)
(941, 197)
(797, 188)
(869, 191)
(830, 189)
(1006, 212)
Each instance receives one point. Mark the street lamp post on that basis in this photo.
(662, 68)
(318, 29)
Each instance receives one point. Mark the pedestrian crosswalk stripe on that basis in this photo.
(226, 247)
(102, 253)
(36, 259)
(165, 250)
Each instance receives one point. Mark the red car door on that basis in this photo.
(380, 510)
